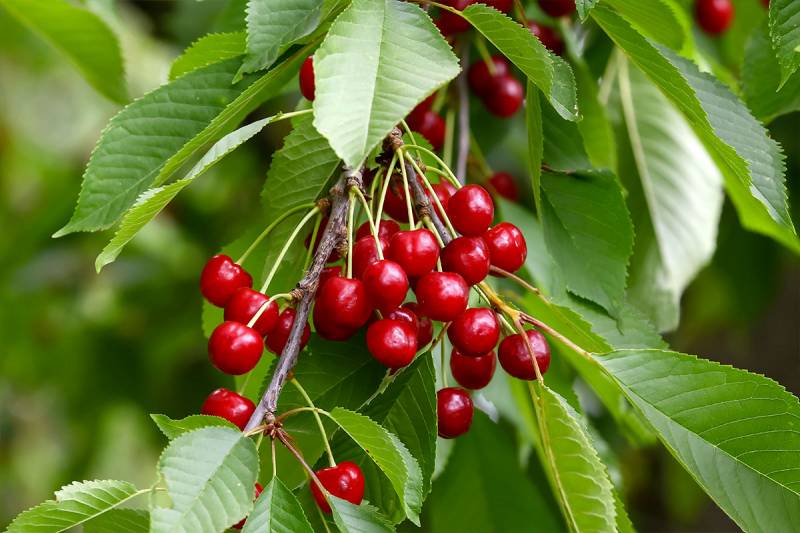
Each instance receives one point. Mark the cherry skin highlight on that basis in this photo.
(504, 185)
(234, 348)
(307, 85)
(404, 314)
(471, 210)
(454, 412)
(442, 296)
(467, 256)
(516, 360)
(504, 96)
(714, 16)
(557, 8)
(472, 372)
(326, 274)
(229, 405)
(365, 252)
(392, 342)
(507, 247)
(387, 229)
(386, 284)
(416, 251)
(276, 340)
(345, 481)
(475, 331)
(424, 324)
(345, 302)
(243, 306)
(220, 278)
(480, 77)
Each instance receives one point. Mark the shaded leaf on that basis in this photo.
(584, 6)
(120, 521)
(664, 21)
(206, 50)
(172, 428)
(533, 124)
(277, 511)
(784, 27)
(761, 79)
(362, 518)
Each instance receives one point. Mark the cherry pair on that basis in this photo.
(494, 83)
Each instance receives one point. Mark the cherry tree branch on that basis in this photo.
(463, 117)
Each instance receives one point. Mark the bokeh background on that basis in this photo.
(85, 357)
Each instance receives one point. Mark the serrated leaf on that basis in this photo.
(534, 127)
(595, 128)
(362, 518)
(738, 434)
(207, 50)
(277, 511)
(210, 474)
(584, 6)
(784, 27)
(761, 79)
(172, 428)
(664, 21)
(80, 35)
(563, 144)
(379, 60)
(75, 504)
(120, 521)
(548, 71)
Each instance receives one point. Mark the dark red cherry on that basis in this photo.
(416, 251)
(307, 86)
(404, 314)
(386, 284)
(450, 23)
(387, 229)
(229, 405)
(467, 256)
(431, 125)
(714, 16)
(475, 331)
(548, 37)
(245, 303)
(515, 358)
(220, 279)
(504, 96)
(443, 191)
(365, 252)
(557, 8)
(328, 273)
(322, 225)
(472, 372)
(480, 76)
(471, 210)
(503, 183)
(345, 481)
(420, 109)
(507, 248)
(392, 342)
(327, 328)
(394, 204)
(424, 324)
(345, 302)
(259, 490)
(454, 412)
(504, 6)
(442, 296)
(234, 348)
(276, 340)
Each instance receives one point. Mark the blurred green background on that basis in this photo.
(86, 357)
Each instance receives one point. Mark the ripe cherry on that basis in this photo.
(345, 301)
(229, 405)
(386, 284)
(507, 247)
(468, 256)
(394, 203)
(365, 252)
(454, 412)
(326, 274)
(450, 23)
(504, 96)
(327, 329)
(503, 6)
(557, 8)
(471, 210)
(431, 125)
(307, 86)
(245, 303)
(259, 490)
(392, 342)
(421, 108)
(424, 324)
(714, 16)
(444, 191)
(442, 296)
(515, 358)
(220, 279)
(503, 184)
(480, 76)
(387, 229)
(345, 481)
(276, 340)
(472, 372)
(404, 314)
(548, 37)
(416, 251)
(234, 348)
(475, 331)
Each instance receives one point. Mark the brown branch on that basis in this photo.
(463, 117)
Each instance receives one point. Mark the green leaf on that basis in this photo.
(761, 79)
(362, 518)
(533, 123)
(682, 192)
(172, 428)
(274, 24)
(548, 71)
(379, 60)
(584, 6)
(210, 474)
(81, 36)
(595, 128)
(738, 434)
(207, 50)
(589, 234)
(389, 454)
(563, 144)
(664, 21)
(751, 162)
(75, 504)
(277, 511)
(120, 521)
(784, 27)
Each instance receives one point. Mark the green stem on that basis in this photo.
(375, 181)
(480, 44)
(405, 187)
(312, 242)
(321, 427)
(435, 198)
(264, 306)
(274, 460)
(480, 157)
(450, 176)
(371, 222)
(286, 246)
(449, 134)
(387, 180)
(269, 229)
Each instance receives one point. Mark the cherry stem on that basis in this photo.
(387, 181)
(449, 173)
(404, 171)
(254, 319)
(315, 411)
(370, 220)
(350, 213)
(274, 460)
(269, 228)
(481, 158)
(524, 317)
(379, 176)
(520, 9)
(480, 45)
(449, 134)
(529, 346)
(463, 118)
(286, 246)
(282, 436)
(433, 195)
(312, 242)
(514, 277)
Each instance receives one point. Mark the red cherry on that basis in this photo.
(454, 412)
(322, 225)
(557, 8)
(467, 256)
(345, 302)
(471, 210)
(504, 96)
(475, 331)
(276, 340)
(480, 76)
(424, 324)
(503, 6)
(245, 303)
(765, 3)
(515, 358)
(327, 329)
(404, 314)
(444, 191)
(507, 247)
(220, 279)
(548, 37)
(422, 107)
(450, 23)
(259, 490)
(431, 125)
(504, 185)
(442, 296)
(387, 229)
(386, 284)
(307, 86)
(714, 16)
(326, 274)
(392, 342)
(365, 252)
(229, 405)
(234, 348)
(345, 481)
(416, 251)
(472, 372)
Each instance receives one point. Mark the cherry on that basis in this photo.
(765, 3)
(507, 247)
(504, 96)
(276, 340)
(387, 229)
(515, 358)
(471, 210)
(424, 324)
(480, 76)
(444, 191)
(504, 185)
(504, 6)
(415, 250)
(454, 412)
(421, 108)
(472, 372)
(220, 279)
(327, 329)
(259, 490)
(386, 284)
(245, 303)
(431, 125)
(714, 16)
(322, 225)
(468, 256)
(229, 405)
(234, 348)
(475, 331)
(548, 37)
(326, 274)
(345, 481)
(392, 342)
(442, 296)
(450, 23)
(307, 86)
(557, 8)
(365, 252)
(345, 302)
(404, 314)
(394, 204)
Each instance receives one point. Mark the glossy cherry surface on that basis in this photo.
(444, 191)
(557, 8)
(392, 342)
(365, 252)
(229, 405)
(471, 210)
(714, 16)
(404, 314)
(276, 340)
(234, 348)
(220, 278)
(416, 251)
(504, 184)
(467, 256)
(245, 303)
(328, 273)
(515, 358)
(475, 331)
(387, 229)
(507, 247)
(472, 372)
(345, 481)
(424, 324)
(386, 284)
(307, 86)
(442, 295)
(504, 96)
(432, 126)
(326, 328)
(480, 76)
(454, 412)
(548, 36)
(345, 301)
